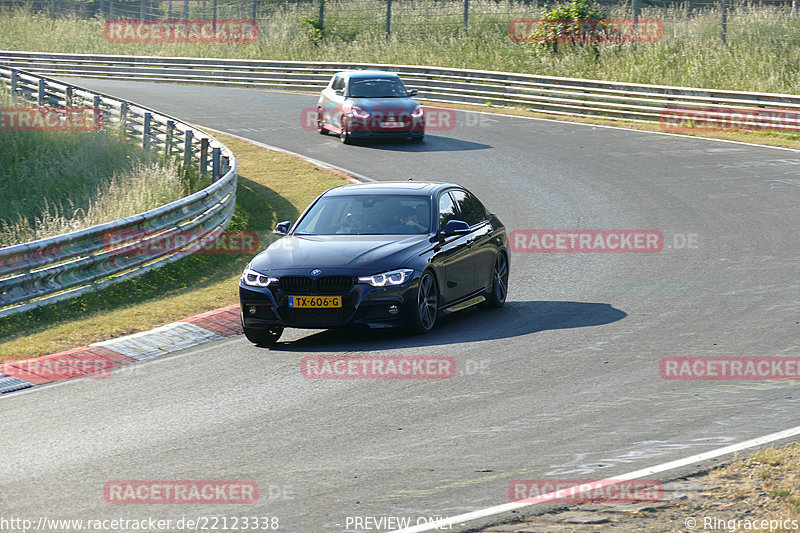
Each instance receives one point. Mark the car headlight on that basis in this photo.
(417, 113)
(395, 277)
(358, 112)
(256, 279)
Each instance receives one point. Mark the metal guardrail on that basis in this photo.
(547, 94)
(50, 270)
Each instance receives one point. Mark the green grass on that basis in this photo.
(56, 182)
(763, 51)
(272, 187)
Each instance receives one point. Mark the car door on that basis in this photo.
(332, 103)
(483, 251)
(453, 255)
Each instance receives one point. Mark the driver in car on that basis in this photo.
(408, 217)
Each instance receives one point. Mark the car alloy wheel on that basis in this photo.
(427, 303)
(321, 122)
(499, 281)
(344, 135)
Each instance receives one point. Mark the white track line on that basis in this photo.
(445, 523)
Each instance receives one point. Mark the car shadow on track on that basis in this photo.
(475, 324)
(432, 143)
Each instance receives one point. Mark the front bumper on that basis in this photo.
(363, 304)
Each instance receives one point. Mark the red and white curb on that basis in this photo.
(97, 359)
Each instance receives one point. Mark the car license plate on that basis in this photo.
(315, 302)
(392, 124)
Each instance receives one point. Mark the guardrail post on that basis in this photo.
(724, 21)
(14, 82)
(168, 142)
(68, 97)
(203, 156)
(226, 164)
(321, 15)
(187, 149)
(215, 155)
(466, 15)
(254, 10)
(123, 116)
(96, 102)
(41, 96)
(146, 129)
(388, 18)
(636, 9)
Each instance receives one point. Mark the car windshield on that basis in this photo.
(377, 88)
(373, 214)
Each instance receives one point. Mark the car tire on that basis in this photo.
(427, 304)
(499, 287)
(263, 337)
(344, 135)
(321, 122)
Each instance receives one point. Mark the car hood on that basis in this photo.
(373, 105)
(332, 253)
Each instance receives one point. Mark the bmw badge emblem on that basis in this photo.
(316, 272)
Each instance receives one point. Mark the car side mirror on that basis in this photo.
(412, 92)
(282, 228)
(456, 227)
(339, 92)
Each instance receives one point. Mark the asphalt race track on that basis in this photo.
(563, 382)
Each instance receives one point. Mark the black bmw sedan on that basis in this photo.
(381, 254)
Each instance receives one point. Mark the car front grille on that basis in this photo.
(324, 285)
(334, 284)
(296, 284)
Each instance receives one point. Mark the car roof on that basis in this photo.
(367, 74)
(416, 188)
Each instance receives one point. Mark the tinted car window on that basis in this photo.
(374, 214)
(377, 88)
(470, 212)
(447, 210)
